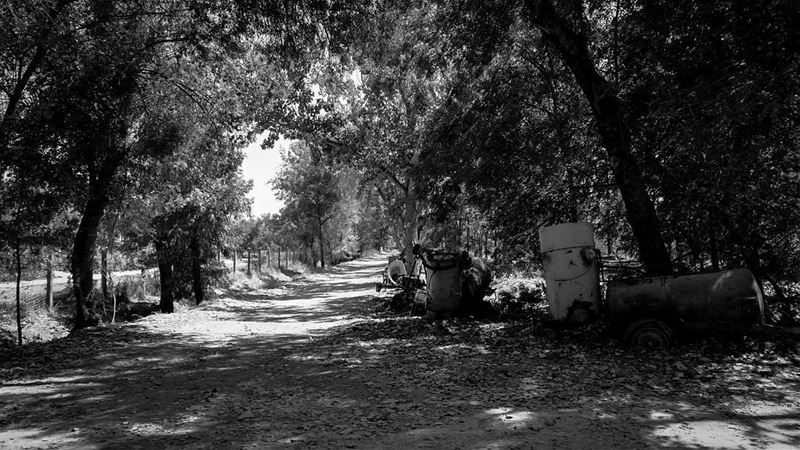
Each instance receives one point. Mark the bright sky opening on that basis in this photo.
(261, 165)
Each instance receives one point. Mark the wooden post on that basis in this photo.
(19, 305)
(144, 288)
(48, 299)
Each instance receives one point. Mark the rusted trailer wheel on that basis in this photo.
(649, 333)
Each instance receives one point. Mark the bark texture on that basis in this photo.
(84, 244)
(167, 301)
(614, 132)
(197, 272)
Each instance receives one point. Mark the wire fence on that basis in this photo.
(35, 296)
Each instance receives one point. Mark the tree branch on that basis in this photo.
(33, 66)
(393, 178)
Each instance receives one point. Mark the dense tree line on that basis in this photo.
(140, 108)
(672, 126)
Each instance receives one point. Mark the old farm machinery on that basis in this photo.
(646, 310)
(441, 283)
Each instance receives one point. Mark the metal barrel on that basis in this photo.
(443, 281)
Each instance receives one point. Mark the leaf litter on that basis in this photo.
(206, 377)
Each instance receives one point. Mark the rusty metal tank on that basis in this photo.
(571, 270)
(443, 282)
(728, 299)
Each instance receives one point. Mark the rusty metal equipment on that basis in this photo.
(443, 281)
(647, 310)
(571, 271)
(395, 276)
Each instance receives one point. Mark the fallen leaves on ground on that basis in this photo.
(217, 375)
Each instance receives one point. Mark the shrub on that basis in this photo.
(517, 293)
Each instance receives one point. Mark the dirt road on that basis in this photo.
(301, 367)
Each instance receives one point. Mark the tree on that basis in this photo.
(385, 118)
(29, 32)
(680, 93)
(517, 143)
(711, 100)
(184, 202)
(561, 28)
(308, 188)
(84, 107)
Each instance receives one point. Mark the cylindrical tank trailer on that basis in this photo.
(645, 310)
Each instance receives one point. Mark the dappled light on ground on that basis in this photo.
(306, 365)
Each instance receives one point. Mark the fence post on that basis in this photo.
(144, 287)
(49, 294)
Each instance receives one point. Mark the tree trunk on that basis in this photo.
(234, 260)
(16, 95)
(82, 261)
(167, 303)
(197, 272)
(279, 257)
(410, 220)
(259, 259)
(104, 273)
(714, 251)
(469, 234)
(613, 130)
(49, 289)
(248, 262)
(321, 244)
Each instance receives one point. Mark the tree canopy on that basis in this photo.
(671, 126)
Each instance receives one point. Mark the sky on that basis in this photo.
(261, 166)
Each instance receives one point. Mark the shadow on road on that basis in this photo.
(259, 371)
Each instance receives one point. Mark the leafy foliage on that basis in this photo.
(455, 123)
(310, 189)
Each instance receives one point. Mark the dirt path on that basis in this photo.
(300, 367)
